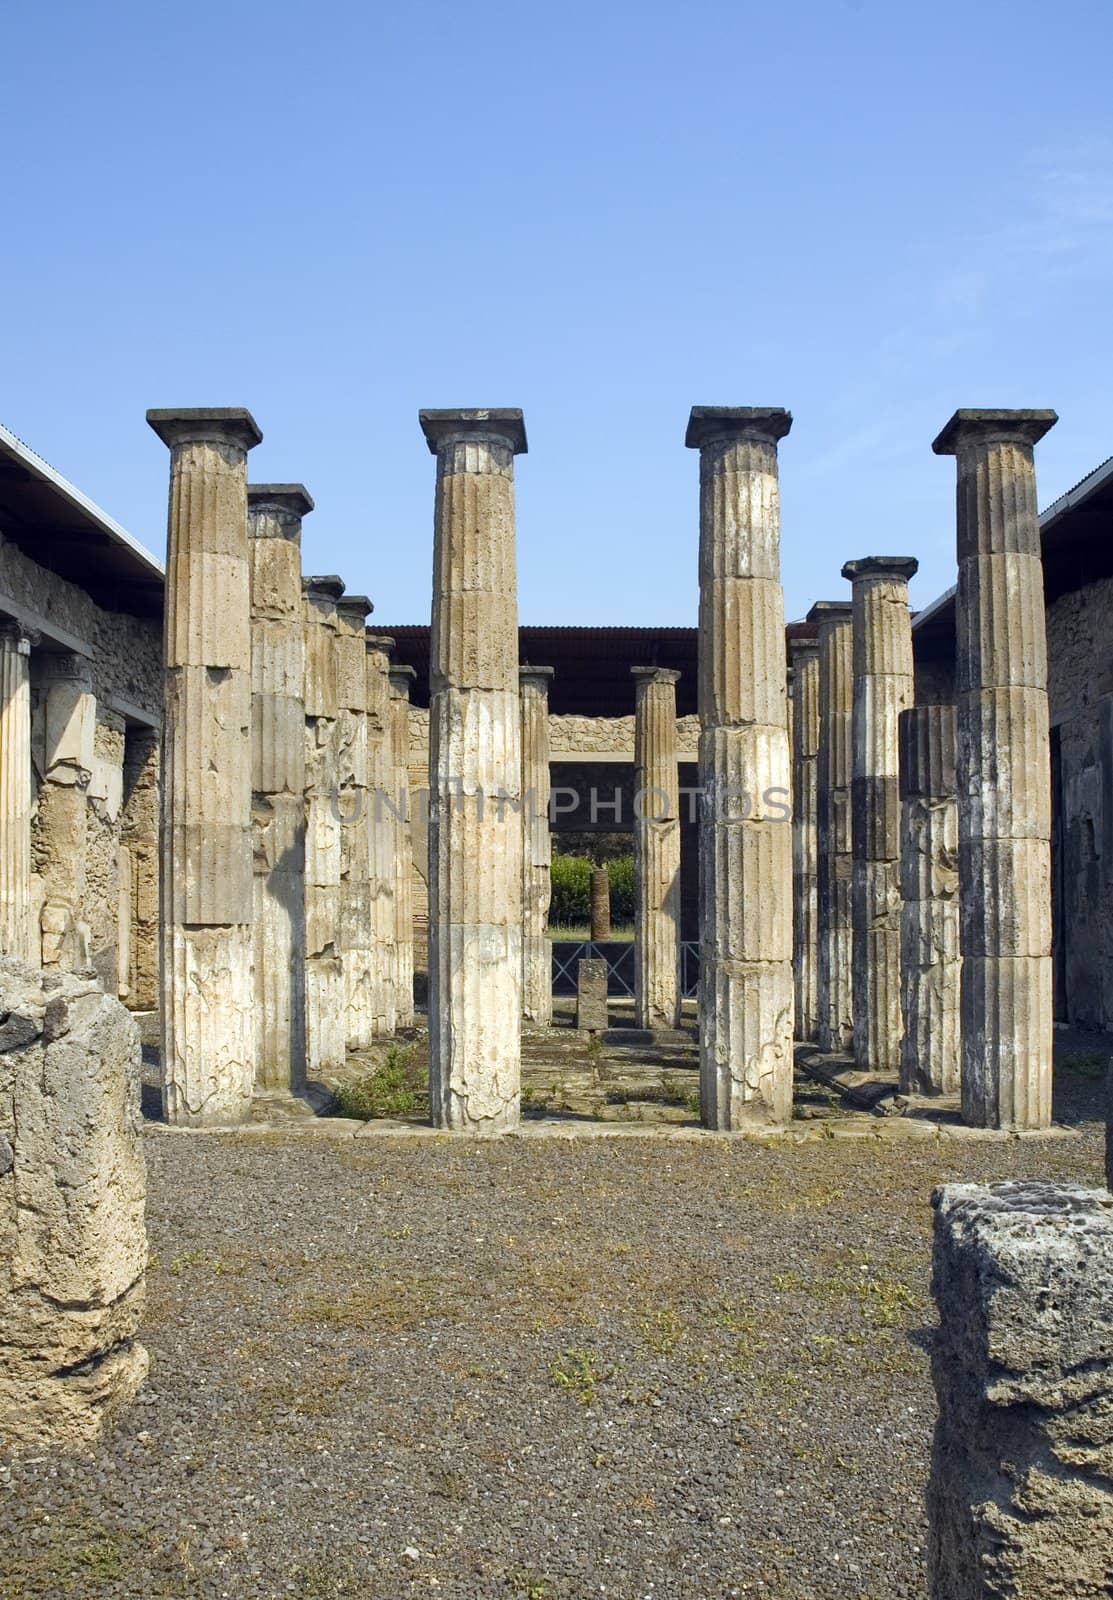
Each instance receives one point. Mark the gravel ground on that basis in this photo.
(397, 1367)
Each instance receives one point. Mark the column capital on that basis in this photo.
(897, 568)
(65, 666)
(14, 632)
(828, 611)
(803, 647)
(706, 424)
(233, 425)
(537, 675)
(401, 677)
(654, 675)
(975, 426)
(379, 641)
(329, 584)
(291, 499)
(355, 608)
(475, 422)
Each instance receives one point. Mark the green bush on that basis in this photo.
(571, 880)
(622, 888)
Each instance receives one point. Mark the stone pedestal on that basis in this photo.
(656, 850)
(600, 903)
(834, 1002)
(930, 961)
(69, 718)
(746, 998)
(358, 959)
(591, 995)
(475, 832)
(382, 825)
(537, 958)
(1019, 1506)
(275, 512)
(208, 1032)
(883, 688)
(325, 999)
(1004, 773)
(18, 936)
(401, 679)
(804, 705)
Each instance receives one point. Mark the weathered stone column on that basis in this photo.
(358, 959)
(833, 619)
(139, 835)
(537, 850)
(325, 1007)
(69, 718)
(208, 1001)
(930, 963)
(401, 678)
(746, 997)
(17, 935)
(1018, 1502)
(600, 903)
(804, 705)
(275, 512)
(883, 688)
(1004, 774)
(475, 840)
(656, 850)
(382, 824)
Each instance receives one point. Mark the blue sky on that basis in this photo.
(603, 213)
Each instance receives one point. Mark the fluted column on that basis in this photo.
(656, 850)
(883, 688)
(930, 963)
(834, 1003)
(17, 936)
(207, 893)
(325, 1000)
(61, 829)
(357, 957)
(804, 705)
(475, 843)
(746, 998)
(401, 679)
(537, 956)
(382, 827)
(274, 514)
(1004, 775)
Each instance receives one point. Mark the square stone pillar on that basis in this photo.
(275, 512)
(325, 1001)
(883, 688)
(382, 830)
(208, 1011)
(61, 829)
(1004, 770)
(656, 850)
(18, 936)
(401, 679)
(834, 1003)
(475, 830)
(357, 957)
(804, 705)
(537, 849)
(746, 997)
(931, 964)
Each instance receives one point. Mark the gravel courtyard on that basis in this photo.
(545, 1367)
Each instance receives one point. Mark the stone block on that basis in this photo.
(591, 996)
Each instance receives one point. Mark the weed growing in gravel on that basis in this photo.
(530, 1584)
(395, 1088)
(576, 1371)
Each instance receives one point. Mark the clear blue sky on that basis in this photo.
(334, 214)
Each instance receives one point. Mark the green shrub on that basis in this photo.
(571, 882)
(395, 1088)
(622, 888)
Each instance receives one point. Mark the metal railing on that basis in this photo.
(619, 956)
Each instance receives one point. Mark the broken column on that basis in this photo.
(401, 678)
(930, 962)
(275, 512)
(804, 654)
(358, 959)
(1004, 773)
(537, 959)
(1019, 1503)
(883, 688)
(475, 833)
(17, 935)
(746, 985)
(834, 1003)
(600, 904)
(208, 1001)
(656, 850)
(382, 824)
(69, 723)
(325, 1008)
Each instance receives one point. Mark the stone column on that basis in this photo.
(883, 688)
(401, 677)
(275, 512)
(69, 718)
(358, 959)
(325, 1008)
(382, 826)
(1019, 1503)
(833, 759)
(139, 834)
(805, 746)
(600, 905)
(17, 935)
(930, 964)
(1004, 775)
(656, 850)
(475, 839)
(537, 956)
(746, 995)
(208, 1002)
